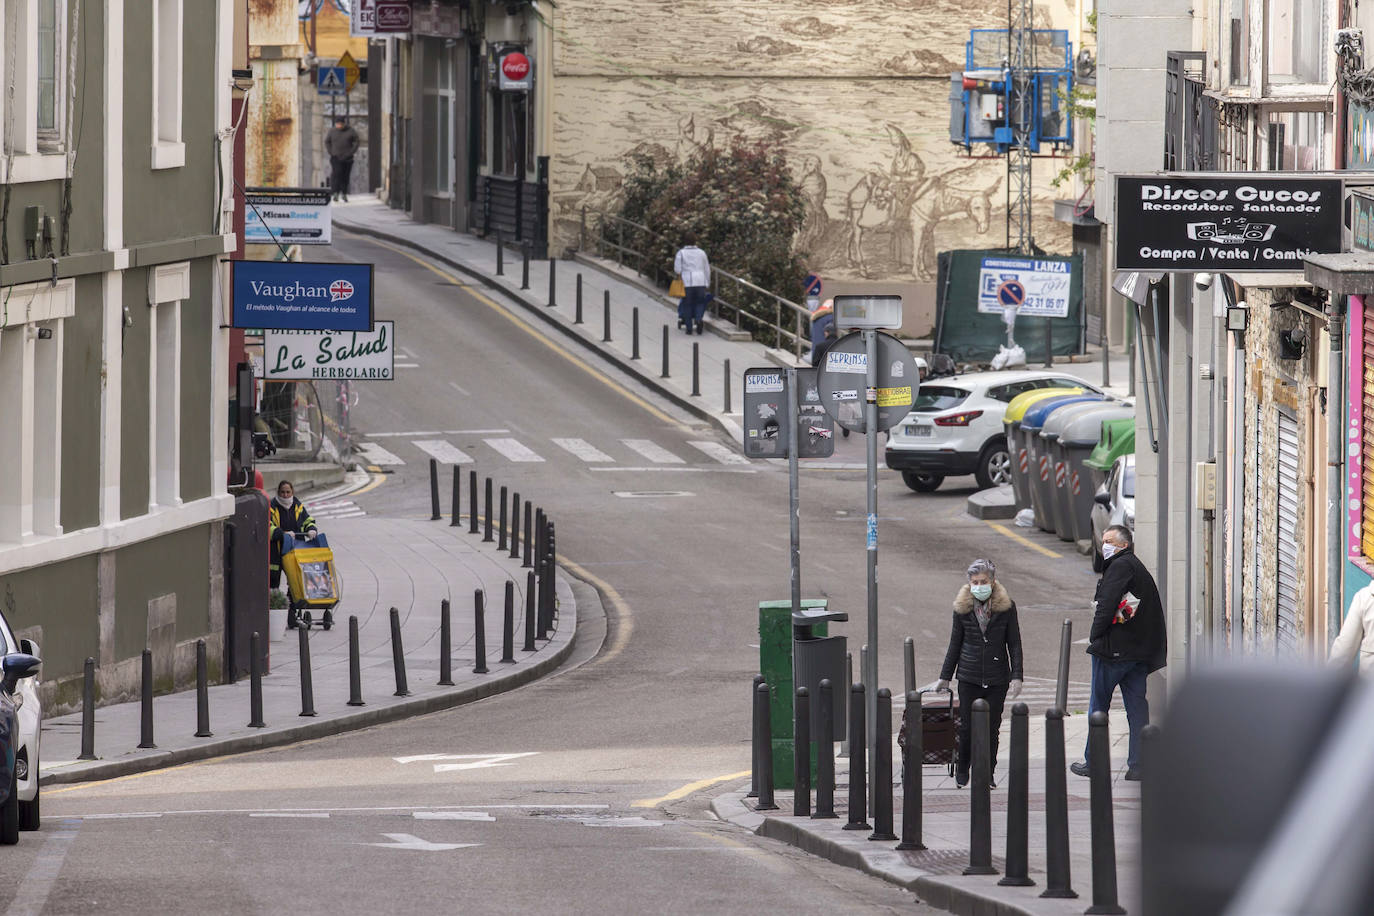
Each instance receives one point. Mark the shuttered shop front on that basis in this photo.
(1286, 566)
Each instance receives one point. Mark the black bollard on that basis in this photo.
(801, 753)
(472, 502)
(501, 526)
(912, 752)
(434, 515)
(515, 526)
(908, 665)
(500, 255)
(529, 537)
(355, 664)
(255, 682)
(508, 626)
(1057, 871)
(1018, 801)
(696, 369)
(307, 681)
(1100, 816)
(457, 486)
(551, 593)
(202, 693)
(763, 743)
(634, 333)
(1061, 684)
(980, 801)
(486, 521)
(445, 644)
(529, 609)
(146, 731)
(88, 711)
(858, 764)
(882, 768)
(398, 655)
(727, 386)
(479, 621)
(577, 310)
(665, 353)
(825, 753)
(754, 738)
(553, 282)
(537, 532)
(606, 318)
(525, 266)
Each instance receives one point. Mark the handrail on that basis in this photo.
(789, 325)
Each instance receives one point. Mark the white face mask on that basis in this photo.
(981, 592)
(1109, 550)
(285, 501)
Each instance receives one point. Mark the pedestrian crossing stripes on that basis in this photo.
(581, 448)
(719, 452)
(617, 456)
(513, 449)
(652, 451)
(335, 508)
(372, 453)
(442, 451)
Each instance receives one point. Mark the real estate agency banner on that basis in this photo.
(1236, 222)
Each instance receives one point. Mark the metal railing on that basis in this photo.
(769, 318)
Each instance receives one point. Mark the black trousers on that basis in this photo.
(340, 170)
(997, 698)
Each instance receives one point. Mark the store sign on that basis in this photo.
(1030, 287)
(310, 355)
(370, 18)
(1209, 222)
(289, 216)
(302, 296)
(515, 72)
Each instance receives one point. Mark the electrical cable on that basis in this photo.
(71, 143)
(285, 255)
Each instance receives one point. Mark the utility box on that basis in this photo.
(818, 657)
(775, 664)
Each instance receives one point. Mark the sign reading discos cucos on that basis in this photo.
(1210, 222)
(302, 296)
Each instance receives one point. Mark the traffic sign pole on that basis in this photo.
(794, 500)
(871, 528)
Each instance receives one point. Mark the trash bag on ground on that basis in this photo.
(1025, 518)
(1008, 357)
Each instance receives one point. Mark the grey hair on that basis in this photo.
(982, 566)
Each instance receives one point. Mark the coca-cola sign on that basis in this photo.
(515, 71)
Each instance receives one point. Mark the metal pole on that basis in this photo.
(1018, 801)
(525, 266)
(801, 754)
(727, 386)
(434, 490)
(529, 536)
(307, 679)
(486, 520)
(858, 791)
(472, 502)
(634, 333)
(515, 526)
(765, 749)
(1061, 686)
(1057, 870)
(501, 526)
(202, 693)
(1100, 817)
(793, 490)
(871, 539)
(88, 711)
(445, 644)
(665, 352)
(146, 729)
(980, 808)
(508, 626)
(355, 667)
(398, 655)
(577, 303)
(696, 370)
(606, 317)
(912, 752)
(825, 753)
(909, 665)
(255, 682)
(882, 770)
(754, 737)
(529, 608)
(1049, 343)
(479, 621)
(457, 488)
(553, 280)
(500, 255)
(848, 679)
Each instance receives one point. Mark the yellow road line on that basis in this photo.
(377, 481)
(624, 620)
(688, 789)
(102, 782)
(1023, 540)
(533, 332)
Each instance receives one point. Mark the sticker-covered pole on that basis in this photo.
(871, 542)
(793, 499)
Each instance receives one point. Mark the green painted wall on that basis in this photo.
(81, 385)
(172, 564)
(62, 598)
(133, 468)
(197, 391)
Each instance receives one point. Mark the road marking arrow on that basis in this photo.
(410, 841)
(479, 761)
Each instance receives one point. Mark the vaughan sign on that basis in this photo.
(1208, 222)
(302, 296)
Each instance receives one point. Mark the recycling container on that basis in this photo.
(1079, 432)
(1041, 471)
(1056, 511)
(1011, 426)
(1117, 439)
(775, 664)
(818, 658)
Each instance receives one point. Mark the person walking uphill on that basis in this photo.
(691, 264)
(341, 143)
(985, 645)
(285, 513)
(1127, 640)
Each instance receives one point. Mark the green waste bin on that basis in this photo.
(1117, 439)
(775, 664)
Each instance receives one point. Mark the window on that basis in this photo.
(168, 150)
(1296, 140)
(1240, 42)
(168, 285)
(1007, 392)
(1295, 41)
(438, 116)
(33, 107)
(48, 54)
(939, 397)
(31, 319)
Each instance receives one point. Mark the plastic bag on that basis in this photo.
(1007, 357)
(1025, 518)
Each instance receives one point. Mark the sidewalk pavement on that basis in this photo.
(408, 564)
(935, 875)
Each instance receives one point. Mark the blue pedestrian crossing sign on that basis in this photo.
(332, 81)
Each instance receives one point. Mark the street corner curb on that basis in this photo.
(974, 897)
(993, 503)
(730, 807)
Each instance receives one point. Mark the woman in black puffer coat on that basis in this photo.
(985, 645)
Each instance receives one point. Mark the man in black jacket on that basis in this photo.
(341, 143)
(1127, 640)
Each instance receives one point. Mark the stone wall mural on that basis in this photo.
(855, 92)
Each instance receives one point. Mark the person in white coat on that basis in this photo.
(692, 265)
(1356, 639)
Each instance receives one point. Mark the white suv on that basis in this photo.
(955, 427)
(30, 717)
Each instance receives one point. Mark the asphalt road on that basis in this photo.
(588, 791)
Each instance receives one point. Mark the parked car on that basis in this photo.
(1114, 503)
(15, 667)
(955, 427)
(30, 716)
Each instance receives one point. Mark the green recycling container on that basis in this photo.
(1117, 439)
(775, 664)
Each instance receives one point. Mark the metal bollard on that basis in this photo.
(634, 333)
(727, 386)
(529, 610)
(529, 537)
(255, 682)
(508, 626)
(479, 621)
(665, 353)
(754, 738)
(88, 711)
(146, 730)
(882, 769)
(801, 754)
(202, 693)
(525, 266)
(980, 801)
(515, 526)
(606, 318)
(1061, 684)
(551, 596)
(457, 487)
(848, 679)
(764, 744)
(1018, 801)
(825, 754)
(307, 680)
(1100, 816)
(355, 664)
(696, 369)
(501, 523)
(553, 281)
(909, 665)
(911, 774)
(398, 655)
(472, 502)
(445, 644)
(858, 784)
(577, 309)
(434, 515)
(1057, 871)
(500, 255)
(538, 532)
(486, 531)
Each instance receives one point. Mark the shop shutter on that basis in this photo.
(1286, 567)
(1367, 440)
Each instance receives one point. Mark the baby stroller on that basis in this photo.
(311, 580)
